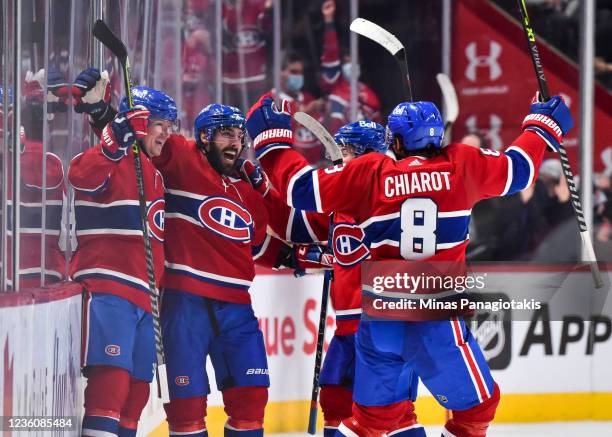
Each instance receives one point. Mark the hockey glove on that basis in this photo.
(254, 175)
(268, 124)
(57, 89)
(311, 257)
(551, 120)
(91, 91)
(121, 133)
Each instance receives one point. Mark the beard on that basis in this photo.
(216, 161)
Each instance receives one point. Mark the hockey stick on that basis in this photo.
(449, 96)
(565, 164)
(314, 399)
(322, 135)
(102, 32)
(390, 42)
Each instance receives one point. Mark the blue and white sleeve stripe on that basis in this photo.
(303, 190)
(520, 170)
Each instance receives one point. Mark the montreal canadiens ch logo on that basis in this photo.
(227, 219)
(155, 217)
(113, 350)
(181, 380)
(349, 248)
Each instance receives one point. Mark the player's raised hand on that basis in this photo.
(552, 120)
(254, 175)
(91, 91)
(57, 90)
(127, 127)
(267, 123)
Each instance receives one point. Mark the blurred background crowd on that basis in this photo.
(202, 51)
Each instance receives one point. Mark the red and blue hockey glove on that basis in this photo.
(91, 91)
(57, 89)
(552, 120)
(309, 257)
(126, 128)
(268, 125)
(254, 175)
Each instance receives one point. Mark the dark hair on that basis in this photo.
(290, 57)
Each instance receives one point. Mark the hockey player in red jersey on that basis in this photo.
(305, 227)
(336, 75)
(413, 206)
(214, 222)
(118, 351)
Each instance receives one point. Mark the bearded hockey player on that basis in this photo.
(214, 220)
(413, 206)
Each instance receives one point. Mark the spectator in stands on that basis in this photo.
(292, 81)
(198, 73)
(246, 24)
(551, 227)
(336, 75)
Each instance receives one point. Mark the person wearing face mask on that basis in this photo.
(292, 82)
(336, 74)
(118, 341)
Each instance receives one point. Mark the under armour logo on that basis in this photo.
(493, 131)
(490, 61)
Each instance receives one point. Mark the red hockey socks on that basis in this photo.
(245, 407)
(186, 417)
(106, 392)
(474, 421)
(133, 406)
(336, 403)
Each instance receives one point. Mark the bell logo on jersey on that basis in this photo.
(155, 217)
(227, 219)
(349, 248)
(113, 350)
(181, 381)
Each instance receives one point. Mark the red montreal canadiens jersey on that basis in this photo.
(110, 255)
(244, 54)
(306, 227)
(416, 208)
(212, 224)
(30, 214)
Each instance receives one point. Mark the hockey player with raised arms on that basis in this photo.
(416, 222)
(118, 351)
(306, 227)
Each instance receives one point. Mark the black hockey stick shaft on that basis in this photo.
(402, 61)
(314, 399)
(103, 33)
(565, 164)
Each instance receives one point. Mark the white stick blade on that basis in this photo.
(162, 380)
(376, 33)
(321, 133)
(450, 97)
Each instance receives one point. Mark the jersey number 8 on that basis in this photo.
(418, 219)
